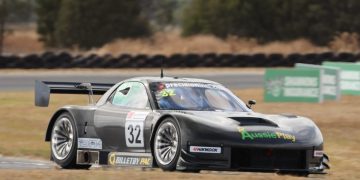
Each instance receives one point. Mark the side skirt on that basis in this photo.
(122, 159)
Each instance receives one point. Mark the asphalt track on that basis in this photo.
(24, 163)
(23, 81)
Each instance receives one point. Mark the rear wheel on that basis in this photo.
(167, 144)
(64, 142)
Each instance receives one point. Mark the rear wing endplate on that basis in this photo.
(43, 89)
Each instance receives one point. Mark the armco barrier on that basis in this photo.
(66, 60)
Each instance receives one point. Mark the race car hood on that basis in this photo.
(251, 128)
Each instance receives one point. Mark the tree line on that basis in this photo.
(91, 23)
(269, 20)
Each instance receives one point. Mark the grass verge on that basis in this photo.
(22, 130)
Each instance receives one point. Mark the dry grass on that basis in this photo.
(345, 42)
(24, 41)
(171, 42)
(22, 128)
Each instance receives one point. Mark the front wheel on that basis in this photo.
(167, 144)
(63, 143)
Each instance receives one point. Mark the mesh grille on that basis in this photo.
(268, 158)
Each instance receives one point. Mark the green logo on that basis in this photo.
(265, 135)
(167, 92)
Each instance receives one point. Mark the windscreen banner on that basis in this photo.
(349, 76)
(330, 80)
(293, 85)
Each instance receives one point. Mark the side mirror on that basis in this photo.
(251, 103)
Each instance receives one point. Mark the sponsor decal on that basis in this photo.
(201, 149)
(199, 85)
(318, 153)
(245, 135)
(301, 81)
(115, 159)
(273, 86)
(136, 116)
(89, 143)
(167, 92)
(291, 87)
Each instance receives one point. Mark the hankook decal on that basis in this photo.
(204, 149)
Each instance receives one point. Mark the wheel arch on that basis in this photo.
(53, 119)
(154, 128)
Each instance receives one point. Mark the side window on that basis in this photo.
(132, 95)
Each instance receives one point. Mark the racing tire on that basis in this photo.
(167, 145)
(64, 142)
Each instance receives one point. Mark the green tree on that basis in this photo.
(160, 13)
(19, 11)
(304, 19)
(92, 23)
(3, 16)
(231, 17)
(271, 20)
(48, 14)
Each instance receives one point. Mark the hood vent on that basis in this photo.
(249, 121)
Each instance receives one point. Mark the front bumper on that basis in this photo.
(255, 159)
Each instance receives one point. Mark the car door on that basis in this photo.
(123, 121)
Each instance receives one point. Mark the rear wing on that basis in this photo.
(43, 89)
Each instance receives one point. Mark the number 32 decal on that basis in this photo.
(137, 131)
(134, 129)
(134, 134)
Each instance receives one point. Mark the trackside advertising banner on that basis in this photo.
(349, 76)
(330, 78)
(292, 85)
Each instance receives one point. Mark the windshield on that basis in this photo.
(194, 96)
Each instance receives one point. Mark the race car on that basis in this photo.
(183, 124)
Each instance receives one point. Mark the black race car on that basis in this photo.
(177, 124)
